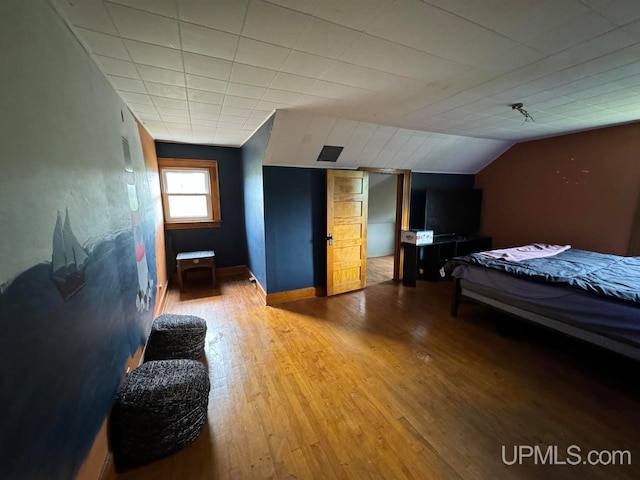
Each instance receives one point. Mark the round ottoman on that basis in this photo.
(176, 336)
(159, 409)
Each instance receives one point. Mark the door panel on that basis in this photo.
(347, 197)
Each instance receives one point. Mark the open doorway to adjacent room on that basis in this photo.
(381, 227)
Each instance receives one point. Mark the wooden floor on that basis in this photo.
(379, 269)
(383, 384)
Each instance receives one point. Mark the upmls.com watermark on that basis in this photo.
(552, 455)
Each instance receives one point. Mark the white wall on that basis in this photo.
(382, 214)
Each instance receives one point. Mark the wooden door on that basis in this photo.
(347, 210)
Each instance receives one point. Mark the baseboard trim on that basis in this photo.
(162, 300)
(292, 295)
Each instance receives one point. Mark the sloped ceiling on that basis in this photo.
(297, 138)
(212, 71)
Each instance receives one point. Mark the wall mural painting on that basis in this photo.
(68, 259)
(145, 283)
(69, 325)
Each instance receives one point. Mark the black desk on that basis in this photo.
(425, 261)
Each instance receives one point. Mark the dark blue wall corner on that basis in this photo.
(295, 213)
(421, 182)
(228, 241)
(252, 157)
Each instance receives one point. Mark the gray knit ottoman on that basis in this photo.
(176, 336)
(159, 409)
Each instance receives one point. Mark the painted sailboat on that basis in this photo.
(68, 260)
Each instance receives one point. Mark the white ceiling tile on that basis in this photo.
(170, 103)
(620, 12)
(120, 68)
(367, 155)
(241, 102)
(633, 29)
(202, 133)
(106, 45)
(404, 23)
(257, 118)
(380, 137)
(383, 158)
(380, 54)
(249, 75)
(398, 140)
(207, 66)
(203, 123)
(369, 78)
(205, 97)
(128, 84)
(161, 75)
(520, 20)
(326, 39)
(292, 83)
(206, 41)
(142, 108)
(227, 131)
(280, 96)
(270, 106)
(232, 122)
(301, 63)
(260, 54)
(144, 26)
(313, 101)
(168, 119)
(226, 15)
(154, 124)
(204, 83)
(361, 135)
(341, 132)
(161, 7)
(90, 14)
(273, 24)
(355, 14)
(305, 6)
(207, 116)
(576, 31)
(336, 91)
(138, 98)
(247, 91)
(173, 112)
(235, 111)
(195, 107)
(169, 91)
(156, 56)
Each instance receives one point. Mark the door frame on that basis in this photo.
(403, 204)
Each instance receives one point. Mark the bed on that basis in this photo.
(588, 295)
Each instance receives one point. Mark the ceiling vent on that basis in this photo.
(329, 154)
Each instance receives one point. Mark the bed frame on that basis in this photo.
(605, 342)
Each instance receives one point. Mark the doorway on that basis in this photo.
(381, 227)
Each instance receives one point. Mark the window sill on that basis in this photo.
(187, 225)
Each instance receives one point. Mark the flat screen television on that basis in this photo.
(453, 212)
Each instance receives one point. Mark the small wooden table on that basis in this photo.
(189, 260)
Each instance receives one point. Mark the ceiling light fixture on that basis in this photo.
(519, 107)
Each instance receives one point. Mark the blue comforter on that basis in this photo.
(609, 276)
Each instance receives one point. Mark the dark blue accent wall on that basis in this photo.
(252, 156)
(421, 182)
(227, 241)
(295, 213)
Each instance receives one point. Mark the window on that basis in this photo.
(190, 193)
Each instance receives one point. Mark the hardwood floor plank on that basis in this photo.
(383, 384)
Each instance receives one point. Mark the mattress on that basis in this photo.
(617, 320)
(609, 276)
